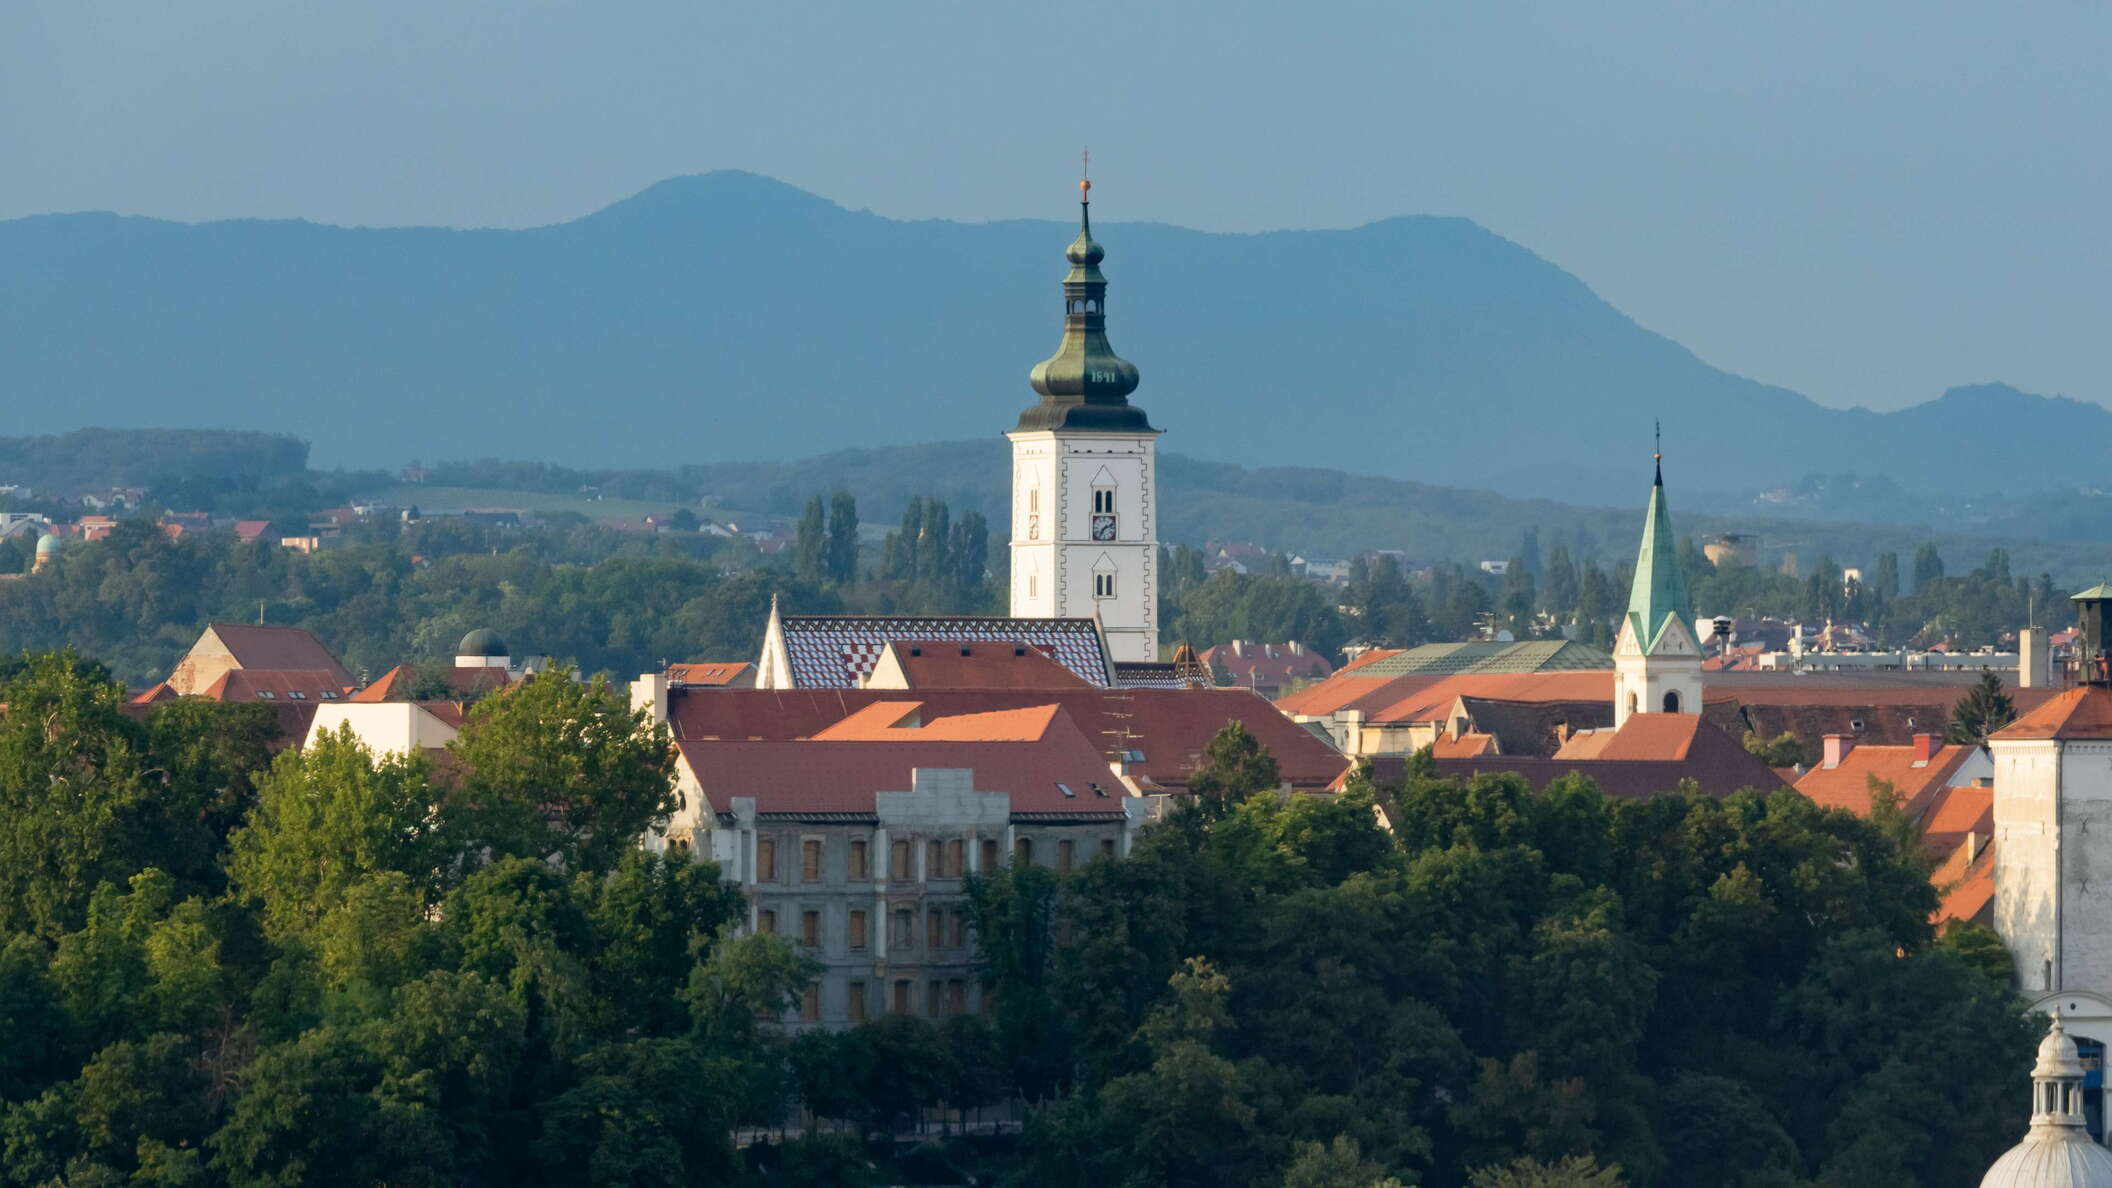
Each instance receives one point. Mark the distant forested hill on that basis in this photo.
(88, 458)
(728, 316)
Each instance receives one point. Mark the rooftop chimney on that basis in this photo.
(1924, 748)
(1837, 748)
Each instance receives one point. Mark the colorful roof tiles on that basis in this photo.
(839, 651)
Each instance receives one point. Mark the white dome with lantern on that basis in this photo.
(2057, 1152)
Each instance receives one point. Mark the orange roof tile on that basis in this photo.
(976, 664)
(1434, 700)
(1848, 785)
(1663, 738)
(2084, 712)
(886, 721)
(1962, 808)
(1968, 889)
(1466, 746)
(712, 672)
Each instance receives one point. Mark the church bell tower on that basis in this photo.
(1656, 657)
(1085, 540)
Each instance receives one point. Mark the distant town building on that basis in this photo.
(1266, 668)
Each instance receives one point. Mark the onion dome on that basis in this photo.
(481, 642)
(2057, 1152)
(1084, 385)
(47, 545)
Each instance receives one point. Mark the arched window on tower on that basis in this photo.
(1634, 703)
(1672, 701)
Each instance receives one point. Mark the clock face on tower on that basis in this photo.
(1103, 527)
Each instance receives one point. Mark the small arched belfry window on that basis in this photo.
(1672, 701)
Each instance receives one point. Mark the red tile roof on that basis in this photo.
(1961, 809)
(396, 684)
(823, 775)
(899, 721)
(714, 673)
(274, 684)
(283, 648)
(1171, 727)
(956, 664)
(1466, 746)
(2081, 713)
(1654, 758)
(249, 530)
(1968, 888)
(1267, 665)
(1917, 781)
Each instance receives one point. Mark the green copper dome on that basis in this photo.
(47, 544)
(1085, 385)
(481, 642)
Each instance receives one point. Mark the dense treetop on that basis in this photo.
(219, 967)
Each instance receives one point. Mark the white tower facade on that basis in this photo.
(1085, 534)
(1085, 517)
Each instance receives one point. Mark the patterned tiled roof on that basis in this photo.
(1150, 674)
(1540, 655)
(838, 651)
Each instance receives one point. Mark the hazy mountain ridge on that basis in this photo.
(729, 316)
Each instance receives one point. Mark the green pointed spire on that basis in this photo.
(1660, 589)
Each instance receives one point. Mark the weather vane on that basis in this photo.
(1085, 172)
(1657, 435)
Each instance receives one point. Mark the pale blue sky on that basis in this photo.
(1868, 202)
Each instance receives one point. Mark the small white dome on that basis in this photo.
(2069, 1162)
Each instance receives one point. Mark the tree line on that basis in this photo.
(221, 966)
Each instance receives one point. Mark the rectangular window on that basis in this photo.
(905, 928)
(1065, 851)
(989, 854)
(957, 997)
(901, 1003)
(766, 922)
(1107, 847)
(810, 860)
(953, 858)
(898, 860)
(1103, 585)
(1023, 851)
(856, 1002)
(810, 929)
(765, 860)
(857, 930)
(935, 928)
(810, 1003)
(934, 998)
(935, 860)
(957, 929)
(858, 867)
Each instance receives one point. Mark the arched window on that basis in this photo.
(1633, 703)
(1672, 701)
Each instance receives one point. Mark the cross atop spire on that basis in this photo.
(1657, 450)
